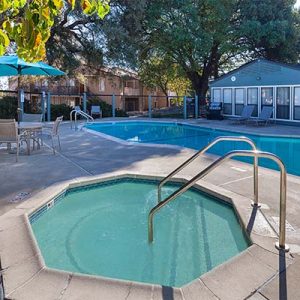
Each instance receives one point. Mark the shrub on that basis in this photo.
(58, 110)
(8, 107)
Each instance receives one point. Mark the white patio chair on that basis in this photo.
(96, 110)
(9, 135)
(54, 132)
(32, 118)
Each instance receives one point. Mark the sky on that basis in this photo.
(297, 3)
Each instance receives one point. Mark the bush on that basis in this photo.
(8, 107)
(106, 108)
(58, 110)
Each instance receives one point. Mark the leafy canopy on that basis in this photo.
(28, 23)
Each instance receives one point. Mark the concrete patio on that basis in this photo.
(85, 155)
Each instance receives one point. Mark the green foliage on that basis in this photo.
(29, 23)
(8, 107)
(165, 74)
(106, 108)
(205, 38)
(58, 110)
(270, 29)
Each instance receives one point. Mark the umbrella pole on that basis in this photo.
(19, 100)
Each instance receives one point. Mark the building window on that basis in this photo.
(216, 96)
(227, 99)
(239, 100)
(283, 103)
(102, 85)
(130, 84)
(252, 99)
(297, 103)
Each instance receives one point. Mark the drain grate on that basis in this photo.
(20, 197)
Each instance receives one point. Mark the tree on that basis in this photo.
(269, 29)
(28, 23)
(204, 37)
(163, 73)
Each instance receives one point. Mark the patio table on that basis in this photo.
(31, 129)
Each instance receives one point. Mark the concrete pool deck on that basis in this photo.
(258, 273)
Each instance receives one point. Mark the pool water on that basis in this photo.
(102, 230)
(195, 137)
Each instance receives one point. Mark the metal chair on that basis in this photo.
(96, 110)
(54, 132)
(32, 118)
(9, 135)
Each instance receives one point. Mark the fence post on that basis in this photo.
(150, 106)
(49, 107)
(184, 107)
(22, 99)
(196, 107)
(84, 102)
(43, 105)
(113, 105)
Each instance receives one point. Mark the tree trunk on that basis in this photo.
(200, 86)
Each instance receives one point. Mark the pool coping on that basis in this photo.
(25, 272)
(195, 124)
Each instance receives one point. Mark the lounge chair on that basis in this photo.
(54, 132)
(32, 118)
(245, 115)
(264, 117)
(9, 135)
(96, 110)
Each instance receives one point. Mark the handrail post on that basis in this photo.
(280, 245)
(255, 182)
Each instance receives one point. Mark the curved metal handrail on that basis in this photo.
(207, 147)
(248, 153)
(79, 112)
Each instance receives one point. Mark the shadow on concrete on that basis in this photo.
(282, 276)
(252, 219)
(167, 293)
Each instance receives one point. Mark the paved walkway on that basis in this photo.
(84, 154)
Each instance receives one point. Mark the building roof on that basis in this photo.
(260, 72)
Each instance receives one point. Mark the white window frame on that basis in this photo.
(259, 98)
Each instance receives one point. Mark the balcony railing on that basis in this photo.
(131, 91)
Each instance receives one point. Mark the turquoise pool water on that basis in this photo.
(195, 137)
(102, 230)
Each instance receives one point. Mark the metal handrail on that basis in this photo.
(248, 153)
(207, 147)
(80, 112)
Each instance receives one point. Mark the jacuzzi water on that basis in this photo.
(102, 230)
(196, 137)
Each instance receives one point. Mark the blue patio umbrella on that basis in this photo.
(12, 65)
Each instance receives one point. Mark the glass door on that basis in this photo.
(283, 103)
(227, 99)
(252, 99)
(239, 101)
(266, 96)
(297, 103)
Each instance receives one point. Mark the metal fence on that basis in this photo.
(52, 105)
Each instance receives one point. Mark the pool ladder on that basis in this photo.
(77, 112)
(280, 245)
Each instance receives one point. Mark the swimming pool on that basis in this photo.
(195, 137)
(101, 229)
